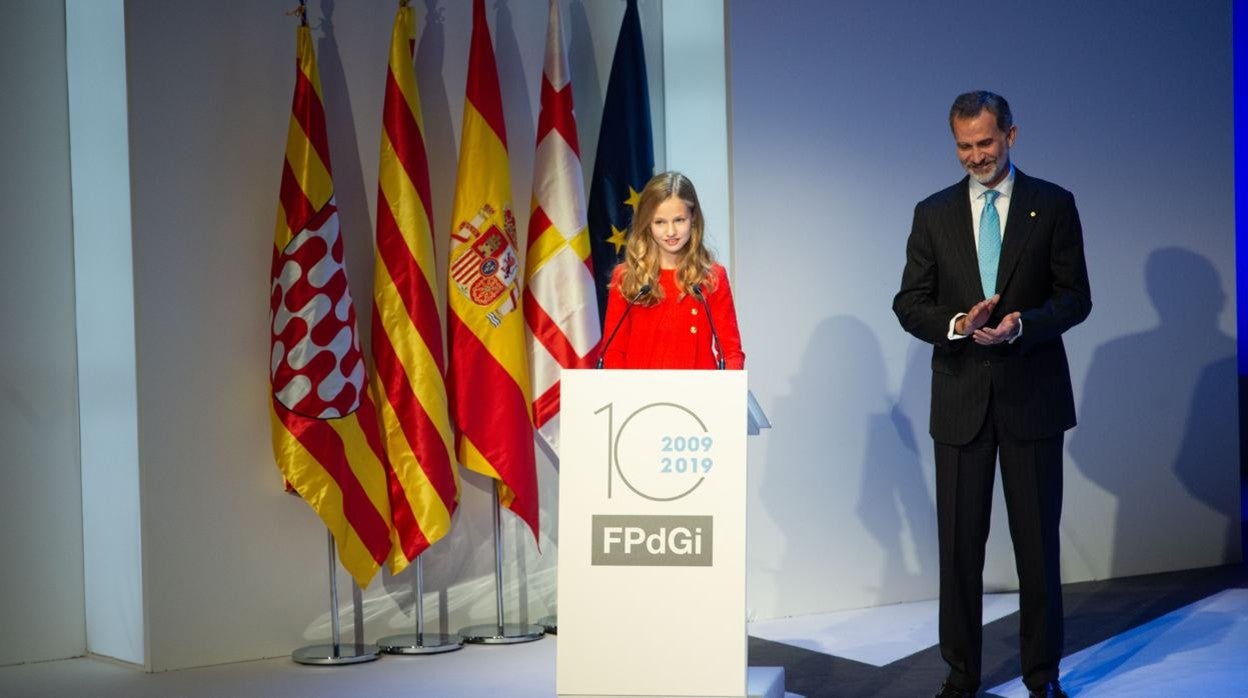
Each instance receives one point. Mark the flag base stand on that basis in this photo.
(419, 642)
(423, 643)
(550, 624)
(505, 634)
(500, 633)
(336, 653)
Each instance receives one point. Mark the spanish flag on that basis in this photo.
(407, 329)
(489, 372)
(325, 434)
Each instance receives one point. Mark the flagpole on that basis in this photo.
(301, 12)
(500, 633)
(498, 563)
(550, 623)
(421, 642)
(333, 654)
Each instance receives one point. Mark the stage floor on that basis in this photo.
(1172, 634)
(1179, 633)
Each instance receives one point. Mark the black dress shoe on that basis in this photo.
(948, 690)
(1051, 689)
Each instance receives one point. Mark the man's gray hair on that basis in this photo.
(970, 104)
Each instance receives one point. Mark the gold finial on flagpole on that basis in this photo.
(301, 12)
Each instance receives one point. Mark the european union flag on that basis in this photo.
(625, 160)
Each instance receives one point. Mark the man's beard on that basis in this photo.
(997, 166)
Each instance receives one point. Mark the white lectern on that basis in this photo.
(652, 534)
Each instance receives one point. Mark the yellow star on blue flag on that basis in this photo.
(634, 198)
(625, 160)
(618, 238)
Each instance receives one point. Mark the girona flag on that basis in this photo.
(489, 372)
(325, 435)
(407, 330)
(559, 300)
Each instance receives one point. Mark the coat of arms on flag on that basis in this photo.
(484, 265)
(485, 339)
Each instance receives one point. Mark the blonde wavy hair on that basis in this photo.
(641, 253)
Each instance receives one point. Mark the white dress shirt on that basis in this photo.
(976, 191)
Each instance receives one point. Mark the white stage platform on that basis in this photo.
(1197, 650)
(876, 636)
(510, 671)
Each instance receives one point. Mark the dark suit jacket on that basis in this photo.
(1042, 274)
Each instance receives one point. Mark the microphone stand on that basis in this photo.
(640, 292)
(719, 348)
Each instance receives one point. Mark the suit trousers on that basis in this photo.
(1031, 477)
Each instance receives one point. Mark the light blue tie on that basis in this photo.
(989, 243)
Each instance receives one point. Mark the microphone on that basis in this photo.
(640, 292)
(719, 348)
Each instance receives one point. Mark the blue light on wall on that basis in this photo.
(1239, 49)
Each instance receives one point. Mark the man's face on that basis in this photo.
(983, 149)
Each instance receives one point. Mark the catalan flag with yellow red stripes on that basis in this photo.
(407, 329)
(560, 305)
(489, 373)
(326, 438)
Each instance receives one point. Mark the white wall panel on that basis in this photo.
(104, 295)
(838, 128)
(41, 592)
(696, 86)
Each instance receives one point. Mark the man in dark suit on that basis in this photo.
(994, 275)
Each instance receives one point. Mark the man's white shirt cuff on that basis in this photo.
(954, 323)
(954, 335)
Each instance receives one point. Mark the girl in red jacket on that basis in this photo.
(682, 315)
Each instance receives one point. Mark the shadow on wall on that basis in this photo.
(459, 581)
(587, 90)
(350, 193)
(1158, 429)
(439, 122)
(871, 470)
(894, 502)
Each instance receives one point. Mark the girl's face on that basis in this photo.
(670, 227)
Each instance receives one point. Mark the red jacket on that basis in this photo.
(674, 333)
